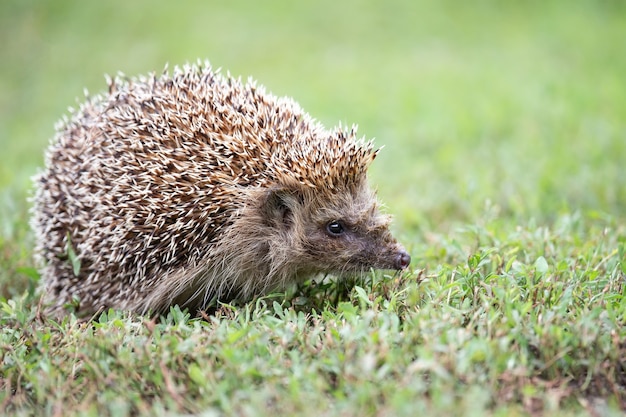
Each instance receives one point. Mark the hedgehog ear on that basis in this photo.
(277, 208)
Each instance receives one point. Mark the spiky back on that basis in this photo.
(145, 179)
(260, 137)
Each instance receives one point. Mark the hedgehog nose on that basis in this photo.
(403, 260)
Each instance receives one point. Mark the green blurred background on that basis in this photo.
(512, 108)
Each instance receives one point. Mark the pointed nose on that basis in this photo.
(403, 260)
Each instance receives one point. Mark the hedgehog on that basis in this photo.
(192, 187)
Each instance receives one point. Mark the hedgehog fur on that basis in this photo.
(189, 187)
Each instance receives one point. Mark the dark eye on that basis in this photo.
(335, 228)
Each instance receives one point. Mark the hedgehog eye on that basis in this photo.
(335, 228)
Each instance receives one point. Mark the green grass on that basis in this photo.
(504, 165)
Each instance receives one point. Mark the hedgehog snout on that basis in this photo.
(403, 259)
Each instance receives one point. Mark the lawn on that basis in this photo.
(504, 166)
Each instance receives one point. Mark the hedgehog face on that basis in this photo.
(343, 232)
